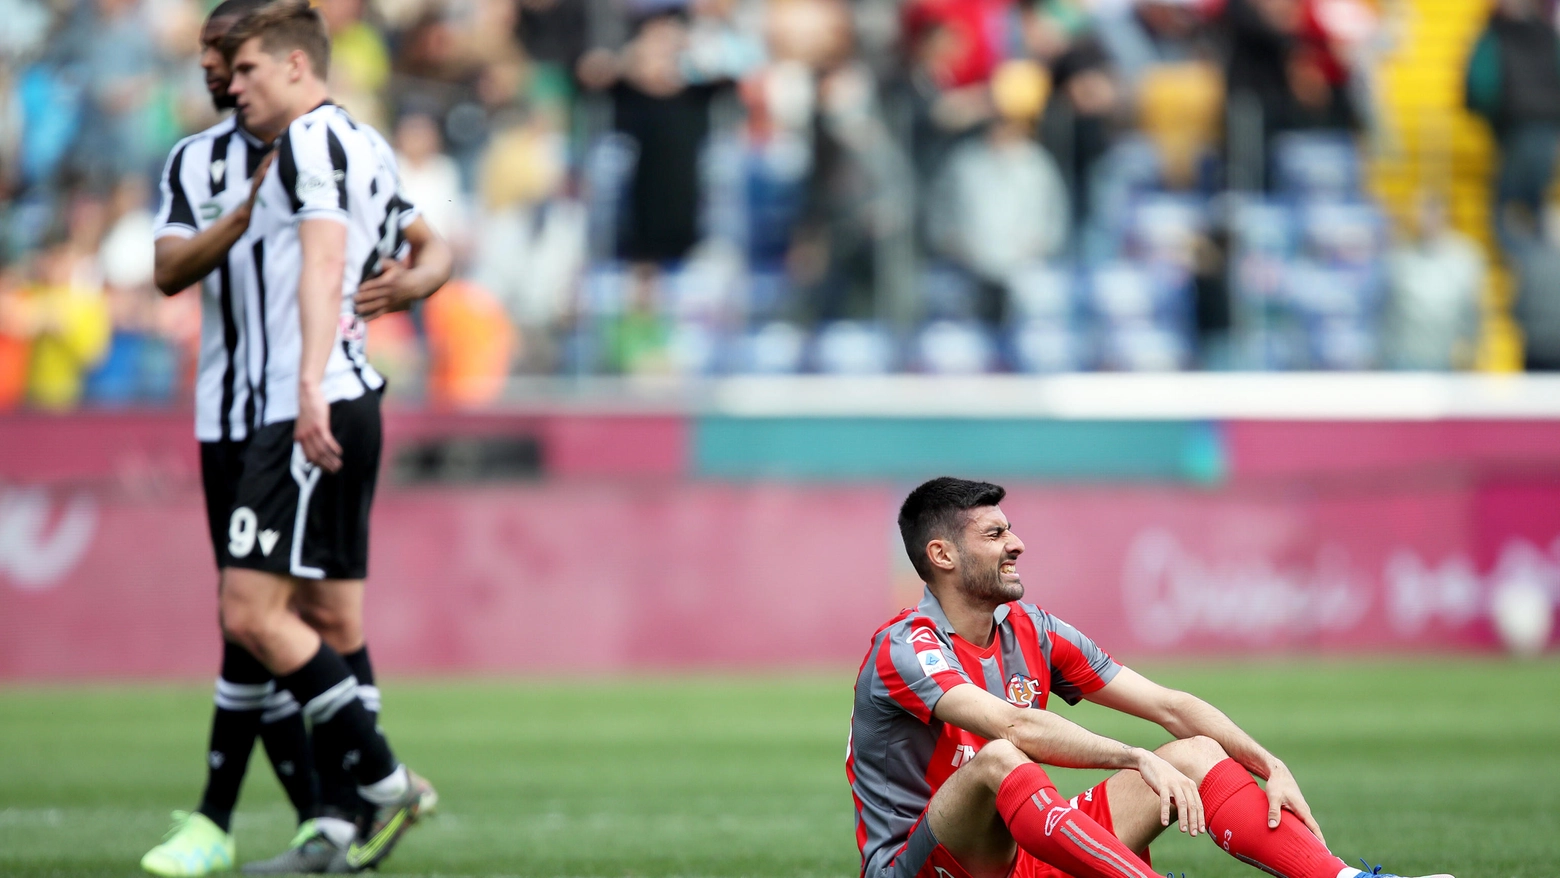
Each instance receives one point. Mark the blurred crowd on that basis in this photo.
(788, 186)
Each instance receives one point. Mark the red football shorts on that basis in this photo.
(1092, 802)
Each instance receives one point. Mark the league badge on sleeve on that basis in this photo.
(932, 661)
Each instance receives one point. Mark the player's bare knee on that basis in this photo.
(1193, 756)
(996, 761)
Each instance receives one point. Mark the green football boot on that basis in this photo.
(194, 846)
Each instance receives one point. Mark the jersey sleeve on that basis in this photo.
(176, 217)
(1078, 665)
(406, 212)
(312, 166)
(914, 668)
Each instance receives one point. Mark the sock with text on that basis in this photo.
(1237, 813)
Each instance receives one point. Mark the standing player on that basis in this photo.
(207, 200)
(946, 770)
(325, 223)
(209, 189)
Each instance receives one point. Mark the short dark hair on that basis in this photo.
(235, 8)
(284, 25)
(937, 510)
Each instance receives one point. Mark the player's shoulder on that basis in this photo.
(1024, 612)
(908, 626)
(221, 129)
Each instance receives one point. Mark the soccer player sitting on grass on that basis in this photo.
(950, 730)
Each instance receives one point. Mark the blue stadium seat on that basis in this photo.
(949, 347)
(775, 348)
(1317, 165)
(1042, 292)
(849, 347)
(1045, 346)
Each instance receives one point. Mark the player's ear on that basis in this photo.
(297, 64)
(941, 553)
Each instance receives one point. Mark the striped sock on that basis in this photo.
(1050, 829)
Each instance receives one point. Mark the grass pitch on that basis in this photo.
(1439, 765)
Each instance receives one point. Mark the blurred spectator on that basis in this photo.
(15, 349)
(470, 346)
(1000, 204)
(669, 122)
(1080, 121)
(66, 325)
(1435, 280)
(106, 43)
(431, 179)
(530, 245)
(637, 340)
(359, 61)
(1514, 83)
(1149, 33)
(1535, 254)
(1281, 78)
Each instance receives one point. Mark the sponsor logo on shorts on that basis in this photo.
(1023, 690)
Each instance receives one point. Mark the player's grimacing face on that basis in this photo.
(261, 85)
(218, 74)
(988, 557)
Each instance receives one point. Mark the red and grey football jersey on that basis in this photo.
(899, 754)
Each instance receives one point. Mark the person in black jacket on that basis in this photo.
(1514, 82)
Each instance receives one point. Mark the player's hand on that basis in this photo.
(312, 430)
(255, 183)
(1283, 794)
(1173, 787)
(393, 289)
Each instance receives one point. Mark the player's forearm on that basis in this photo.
(1048, 738)
(180, 262)
(432, 260)
(1191, 716)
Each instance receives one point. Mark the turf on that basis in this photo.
(1445, 764)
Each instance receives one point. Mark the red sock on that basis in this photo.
(1048, 827)
(1237, 811)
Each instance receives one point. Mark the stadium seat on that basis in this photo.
(849, 347)
(776, 348)
(949, 347)
(1044, 346)
(1041, 292)
(1317, 165)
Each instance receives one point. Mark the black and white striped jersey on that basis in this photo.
(327, 167)
(208, 175)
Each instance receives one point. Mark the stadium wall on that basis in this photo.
(550, 541)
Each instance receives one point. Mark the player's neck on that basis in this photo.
(309, 97)
(972, 620)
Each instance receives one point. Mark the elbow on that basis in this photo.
(167, 283)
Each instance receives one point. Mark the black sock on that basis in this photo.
(242, 688)
(338, 791)
(292, 755)
(343, 729)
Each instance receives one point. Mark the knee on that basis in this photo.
(245, 624)
(996, 761)
(341, 630)
(1193, 756)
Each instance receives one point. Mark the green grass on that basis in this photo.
(1450, 764)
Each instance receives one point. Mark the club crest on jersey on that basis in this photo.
(1022, 690)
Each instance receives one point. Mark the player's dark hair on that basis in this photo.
(235, 8)
(282, 26)
(937, 510)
